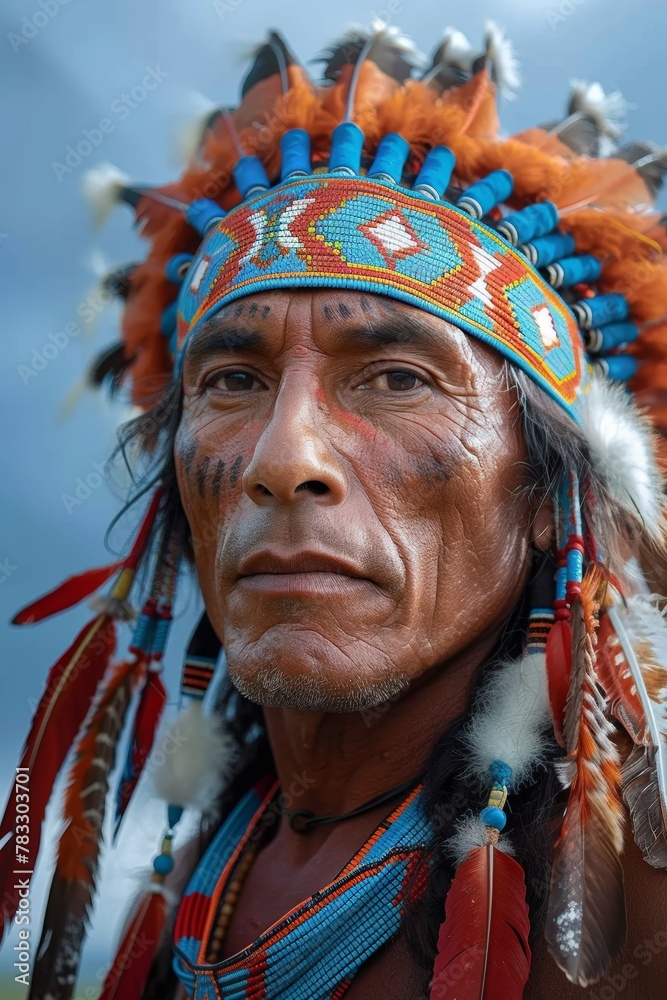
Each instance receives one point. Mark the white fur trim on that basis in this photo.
(101, 187)
(193, 759)
(500, 53)
(620, 441)
(471, 833)
(511, 718)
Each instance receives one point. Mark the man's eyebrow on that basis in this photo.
(385, 331)
(216, 338)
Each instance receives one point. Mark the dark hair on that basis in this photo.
(554, 444)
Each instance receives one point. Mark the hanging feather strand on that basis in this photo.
(73, 885)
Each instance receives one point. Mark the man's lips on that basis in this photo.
(300, 572)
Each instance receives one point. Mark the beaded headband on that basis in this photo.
(354, 232)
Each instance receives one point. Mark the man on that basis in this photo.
(380, 445)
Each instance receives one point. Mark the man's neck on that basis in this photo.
(332, 763)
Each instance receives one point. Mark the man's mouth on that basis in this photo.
(300, 573)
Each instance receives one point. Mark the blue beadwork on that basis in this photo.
(546, 249)
(435, 174)
(143, 633)
(295, 154)
(203, 213)
(492, 816)
(390, 158)
(573, 270)
(531, 222)
(163, 864)
(619, 367)
(611, 337)
(500, 772)
(177, 268)
(168, 320)
(174, 814)
(347, 142)
(601, 309)
(250, 176)
(484, 195)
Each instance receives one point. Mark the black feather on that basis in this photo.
(117, 283)
(108, 368)
(578, 132)
(653, 170)
(273, 57)
(392, 60)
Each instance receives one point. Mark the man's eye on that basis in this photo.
(397, 381)
(233, 381)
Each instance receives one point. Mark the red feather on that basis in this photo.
(128, 974)
(149, 712)
(72, 590)
(559, 666)
(483, 951)
(70, 687)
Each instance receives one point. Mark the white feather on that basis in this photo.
(102, 186)
(511, 719)
(502, 57)
(607, 110)
(621, 445)
(192, 759)
(379, 29)
(457, 50)
(197, 109)
(471, 833)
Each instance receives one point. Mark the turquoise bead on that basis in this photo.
(163, 864)
(492, 816)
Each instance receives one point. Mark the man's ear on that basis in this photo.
(542, 527)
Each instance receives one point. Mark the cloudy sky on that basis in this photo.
(65, 66)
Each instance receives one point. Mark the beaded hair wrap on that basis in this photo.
(545, 246)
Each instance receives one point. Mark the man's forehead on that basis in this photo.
(339, 320)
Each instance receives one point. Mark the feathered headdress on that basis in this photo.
(546, 245)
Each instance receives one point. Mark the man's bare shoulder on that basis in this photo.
(640, 972)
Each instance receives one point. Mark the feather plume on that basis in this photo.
(451, 64)
(103, 188)
(198, 116)
(585, 925)
(577, 132)
(499, 60)
(150, 708)
(607, 111)
(510, 718)
(649, 161)
(393, 53)
(70, 688)
(70, 592)
(198, 757)
(72, 889)
(559, 669)
(108, 368)
(633, 671)
(620, 442)
(131, 967)
(483, 951)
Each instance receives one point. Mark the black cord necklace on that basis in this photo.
(302, 820)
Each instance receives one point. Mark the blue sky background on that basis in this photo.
(80, 58)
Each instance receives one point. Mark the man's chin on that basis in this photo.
(272, 687)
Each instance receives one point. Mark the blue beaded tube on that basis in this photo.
(204, 213)
(435, 174)
(347, 142)
(601, 309)
(295, 150)
(546, 249)
(390, 158)
(177, 268)
(250, 176)
(612, 337)
(160, 636)
(484, 195)
(168, 320)
(619, 367)
(572, 270)
(144, 630)
(531, 222)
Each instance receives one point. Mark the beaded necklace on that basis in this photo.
(315, 950)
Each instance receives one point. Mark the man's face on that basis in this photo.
(350, 468)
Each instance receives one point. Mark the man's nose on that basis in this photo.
(294, 459)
